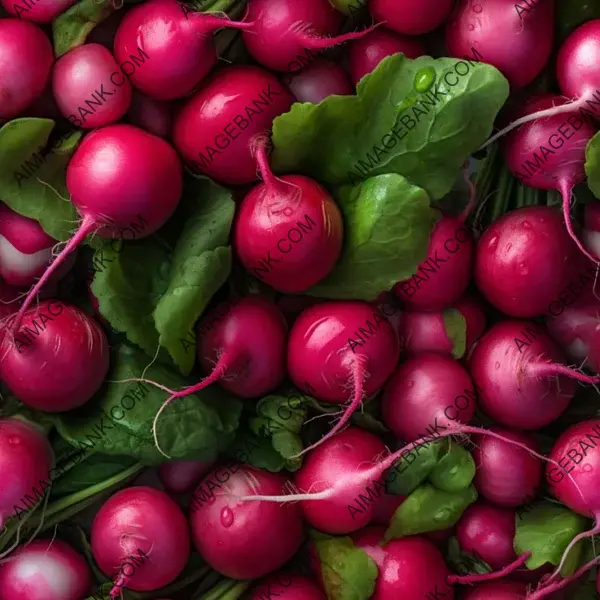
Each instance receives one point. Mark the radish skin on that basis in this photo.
(319, 80)
(411, 17)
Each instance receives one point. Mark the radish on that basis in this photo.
(177, 42)
(214, 130)
(487, 531)
(26, 58)
(411, 17)
(42, 12)
(444, 276)
(497, 590)
(341, 352)
(509, 270)
(111, 204)
(150, 114)
(140, 538)
(243, 540)
(591, 231)
(427, 392)
(288, 231)
(89, 88)
(506, 474)
(322, 78)
(365, 54)
(384, 509)
(182, 476)
(26, 458)
(283, 30)
(521, 379)
(46, 569)
(502, 34)
(288, 586)
(58, 358)
(427, 332)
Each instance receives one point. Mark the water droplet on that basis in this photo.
(526, 225)
(523, 269)
(497, 365)
(424, 79)
(211, 499)
(477, 8)
(227, 517)
(493, 242)
(410, 384)
(441, 515)
(508, 247)
(14, 440)
(587, 468)
(471, 27)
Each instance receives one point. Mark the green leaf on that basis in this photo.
(27, 160)
(257, 451)
(455, 470)
(71, 28)
(118, 419)
(545, 531)
(429, 509)
(386, 234)
(456, 330)
(592, 164)
(348, 572)
(428, 134)
(409, 475)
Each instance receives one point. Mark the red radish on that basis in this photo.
(410, 568)
(591, 231)
(426, 331)
(150, 114)
(509, 270)
(365, 54)
(214, 130)
(341, 352)
(26, 458)
(320, 79)
(177, 43)
(113, 205)
(506, 474)
(43, 12)
(288, 231)
(89, 88)
(243, 540)
(26, 58)
(502, 34)
(384, 509)
(45, 378)
(444, 276)
(47, 569)
(521, 379)
(426, 392)
(284, 30)
(288, 586)
(182, 476)
(497, 590)
(140, 525)
(411, 17)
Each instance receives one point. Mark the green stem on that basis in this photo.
(501, 197)
(218, 6)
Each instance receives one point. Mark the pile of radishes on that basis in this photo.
(227, 372)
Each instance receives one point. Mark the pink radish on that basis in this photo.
(43, 12)
(140, 539)
(284, 30)
(341, 352)
(288, 586)
(214, 130)
(411, 17)
(243, 540)
(182, 476)
(111, 204)
(47, 379)
(47, 569)
(152, 115)
(178, 46)
(319, 80)
(26, 58)
(365, 54)
(89, 88)
(288, 231)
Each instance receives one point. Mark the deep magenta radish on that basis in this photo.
(244, 540)
(521, 376)
(524, 260)
(443, 277)
(46, 569)
(341, 352)
(42, 12)
(143, 523)
(125, 183)
(182, 476)
(365, 54)
(411, 568)
(215, 128)
(151, 115)
(41, 376)
(287, 586)
(285, 30)
(427, 392)
(26, 458)
(169, 46)
(411, 17)
(501, 35)
(26, 59)
(288, 230)
(591, 228)
(320, 79)
(497, 590)
(89, 87)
